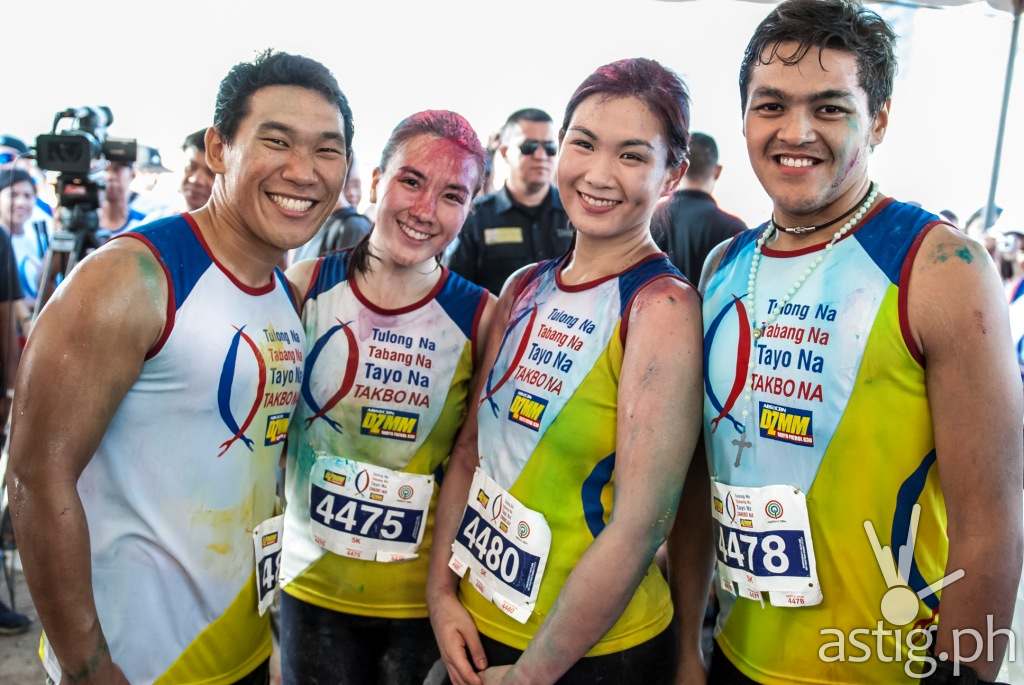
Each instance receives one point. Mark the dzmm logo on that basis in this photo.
(388, 423)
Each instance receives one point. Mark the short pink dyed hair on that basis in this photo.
(443, 124)
(660, 88)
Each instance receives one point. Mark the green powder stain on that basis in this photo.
(965, 254)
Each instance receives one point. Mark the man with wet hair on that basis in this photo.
(862, 409)
(155, 395)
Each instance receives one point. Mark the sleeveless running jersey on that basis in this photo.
(838, 410)
(383, 387)
(547, 432)
(186, 470)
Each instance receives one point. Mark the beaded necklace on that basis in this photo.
(758, 331)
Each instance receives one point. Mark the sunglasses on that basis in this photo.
(530, 146)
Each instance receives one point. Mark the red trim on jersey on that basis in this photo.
(904, 293)
(624, 320)
(565, 287)
(474, 330)
(401, 310)
(772, 252)
(171, 309)
(247, 289)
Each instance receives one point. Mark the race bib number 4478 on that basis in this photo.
(763, 541)
(504, 545)
(368, 512)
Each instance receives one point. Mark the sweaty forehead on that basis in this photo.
(616, 119)
(301, 109)
(817, 70)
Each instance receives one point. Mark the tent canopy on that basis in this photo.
(1006, 5)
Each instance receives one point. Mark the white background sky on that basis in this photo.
(157, 65)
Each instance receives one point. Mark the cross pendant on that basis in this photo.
(740, 442)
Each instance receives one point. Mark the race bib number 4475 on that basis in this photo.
(763, 541)
(504, 545)
(368, 512)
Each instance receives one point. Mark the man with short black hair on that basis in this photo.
(863, 407)
(155, 395)
(689, 224)
(197, 177)
(524, 221)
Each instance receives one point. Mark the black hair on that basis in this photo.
(275, 69)
(703, 156)
(196, 140)
(439, 123)
(528, 114)
(8, 177)
(826, 24)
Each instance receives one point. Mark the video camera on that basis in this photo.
(73, 151)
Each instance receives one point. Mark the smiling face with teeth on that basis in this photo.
(613, 167)
(280, 176)
(809, 134)
(423, 198)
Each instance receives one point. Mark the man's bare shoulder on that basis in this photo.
(122, 284)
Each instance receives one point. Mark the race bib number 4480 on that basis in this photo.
(763, 541)
(368, 512)
(504, 545)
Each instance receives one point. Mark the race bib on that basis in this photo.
(266, 540)
(368, 512)
(763, 541)
(505, 547)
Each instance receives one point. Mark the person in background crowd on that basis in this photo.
(196, 177)
(142, 199)
(950, 216)
(1010, 229)
(522, 223)
(690, 224)
(16, 203)
(13, 153)
(566, 479)
(493, 143)
(862, 408)
(343, 229)
(353, 186)
(29, 239)
(116, 214)
(138, 474)
(354, 607)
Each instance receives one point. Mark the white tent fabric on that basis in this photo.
(1005, 5)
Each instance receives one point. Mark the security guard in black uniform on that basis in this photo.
(523, 222)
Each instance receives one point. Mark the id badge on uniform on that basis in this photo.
(368, 512)
(763, 544)
(505, 547)
(266, 541)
